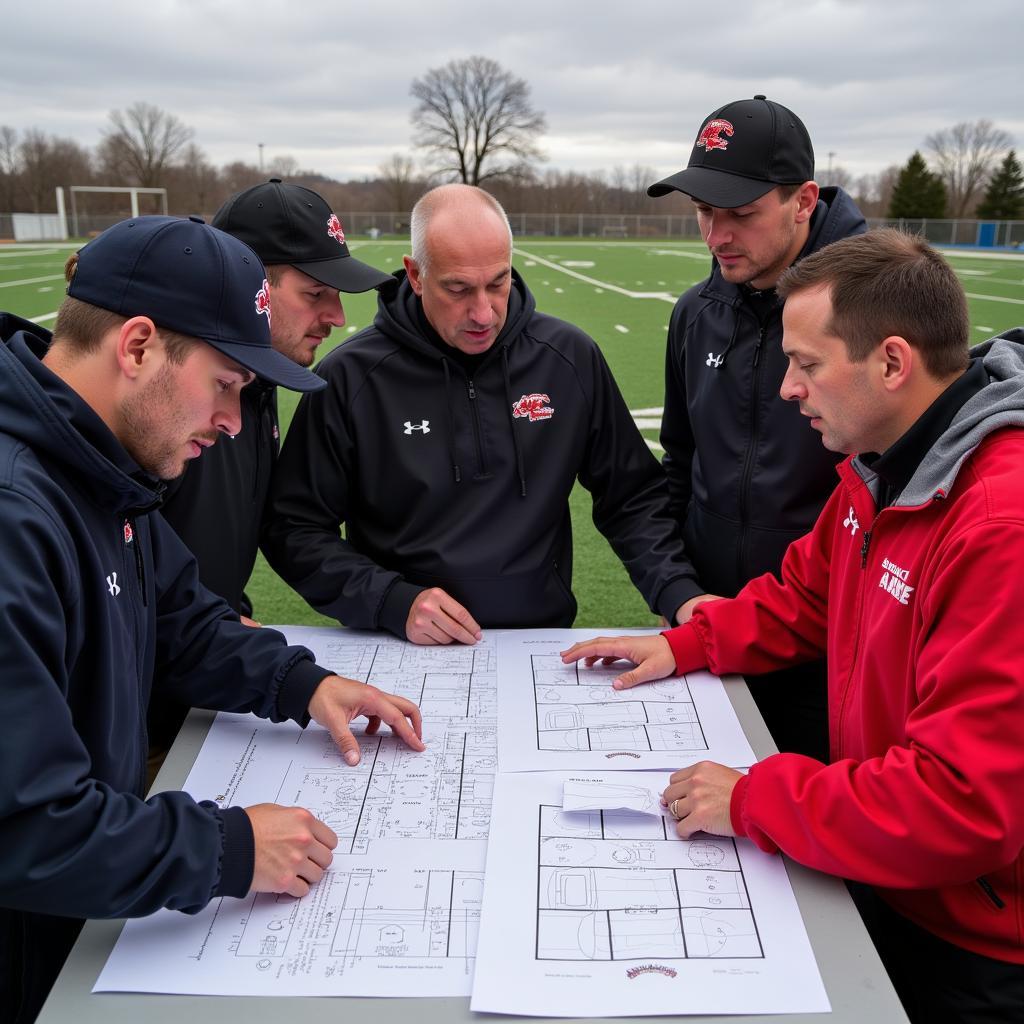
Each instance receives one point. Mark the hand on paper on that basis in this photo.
(293, 849)
(700, 797)
(336, 701)
(651, 655)
(437, 618)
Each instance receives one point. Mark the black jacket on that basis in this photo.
(442, 480)
(746, 472)
(96, 590)
(217, 505)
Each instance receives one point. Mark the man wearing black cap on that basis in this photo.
(216, 507)
(747, 475)
(100, 602)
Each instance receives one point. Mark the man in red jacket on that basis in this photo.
(910, 583)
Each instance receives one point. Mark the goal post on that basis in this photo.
(134, 191)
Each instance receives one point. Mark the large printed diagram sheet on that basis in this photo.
(399, 908)
(608, 913)
(568, 717)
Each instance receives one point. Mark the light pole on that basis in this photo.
(831, 153)
(260, 145)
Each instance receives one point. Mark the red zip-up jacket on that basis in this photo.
(918, 608)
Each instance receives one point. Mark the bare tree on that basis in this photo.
(964, 156)
(402, 184)
(283, 166)
(48, 161)
(10, 168)
(476, 120)
(194, 183)
(142, 143)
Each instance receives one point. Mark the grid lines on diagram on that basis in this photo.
(615, 885)
(363, 912)
(577, 709)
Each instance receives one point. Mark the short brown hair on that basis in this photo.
(80, 326)
(887, 283)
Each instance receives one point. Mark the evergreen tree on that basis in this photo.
(1004, 198)
(918, 192)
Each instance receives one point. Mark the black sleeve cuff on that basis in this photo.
(394, 611)
(297, 689)
(675, 594)
(238, 860)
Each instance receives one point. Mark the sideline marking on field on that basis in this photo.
(662, 296)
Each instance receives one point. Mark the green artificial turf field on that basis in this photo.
(619, 292)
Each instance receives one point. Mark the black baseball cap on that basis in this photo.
(188, 277)
(290, 224)
(742, 151)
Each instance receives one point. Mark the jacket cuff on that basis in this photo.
(687, 648)
(740, 825)
(676, 594)
(238, 860)
(394, 611)
(297, 689)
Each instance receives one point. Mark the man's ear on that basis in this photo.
(412, 270)
(896, 361)
(138, 346)
(806, 201)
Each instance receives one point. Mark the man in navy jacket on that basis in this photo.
(165, 321)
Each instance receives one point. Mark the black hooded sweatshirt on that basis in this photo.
(458, 476)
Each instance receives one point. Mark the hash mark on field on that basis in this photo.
(983, 328)
(622, 329)
(662, 296)
(559, 291)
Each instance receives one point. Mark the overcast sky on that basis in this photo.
(327, 81)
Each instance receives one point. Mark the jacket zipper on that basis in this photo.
(986, 887)
(139, 633)
(748, 463)
(474, 416)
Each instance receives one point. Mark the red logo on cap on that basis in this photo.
(263, 299)
(711, 134)
(334, 229)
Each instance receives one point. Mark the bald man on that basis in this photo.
(447, 442)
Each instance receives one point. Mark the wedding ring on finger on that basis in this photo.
(673, 809)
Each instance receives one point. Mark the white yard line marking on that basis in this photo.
(662, 296)
(45, 316)
(647, 424)
(994, 298)
(32, 280)
(653, 445)
(653, 411)
(622, 329)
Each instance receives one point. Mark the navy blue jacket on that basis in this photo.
(95, 591)
(460, 482)
(746, 472)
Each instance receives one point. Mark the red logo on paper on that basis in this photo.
(635, 972)
(711, 135)
(334, 229)
(534, 407)
(129, 534)
(263, 299)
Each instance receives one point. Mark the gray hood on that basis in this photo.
(999, 404)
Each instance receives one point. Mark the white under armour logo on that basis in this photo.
(112, 585)
(714, 360)
(851, 522)
(424, 427)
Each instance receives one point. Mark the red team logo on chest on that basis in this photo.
(533, 407)
(129, 534)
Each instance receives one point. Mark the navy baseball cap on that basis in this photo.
(742, 151)
(290, 224)
(188, 277)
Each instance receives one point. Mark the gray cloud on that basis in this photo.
(329, 83)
